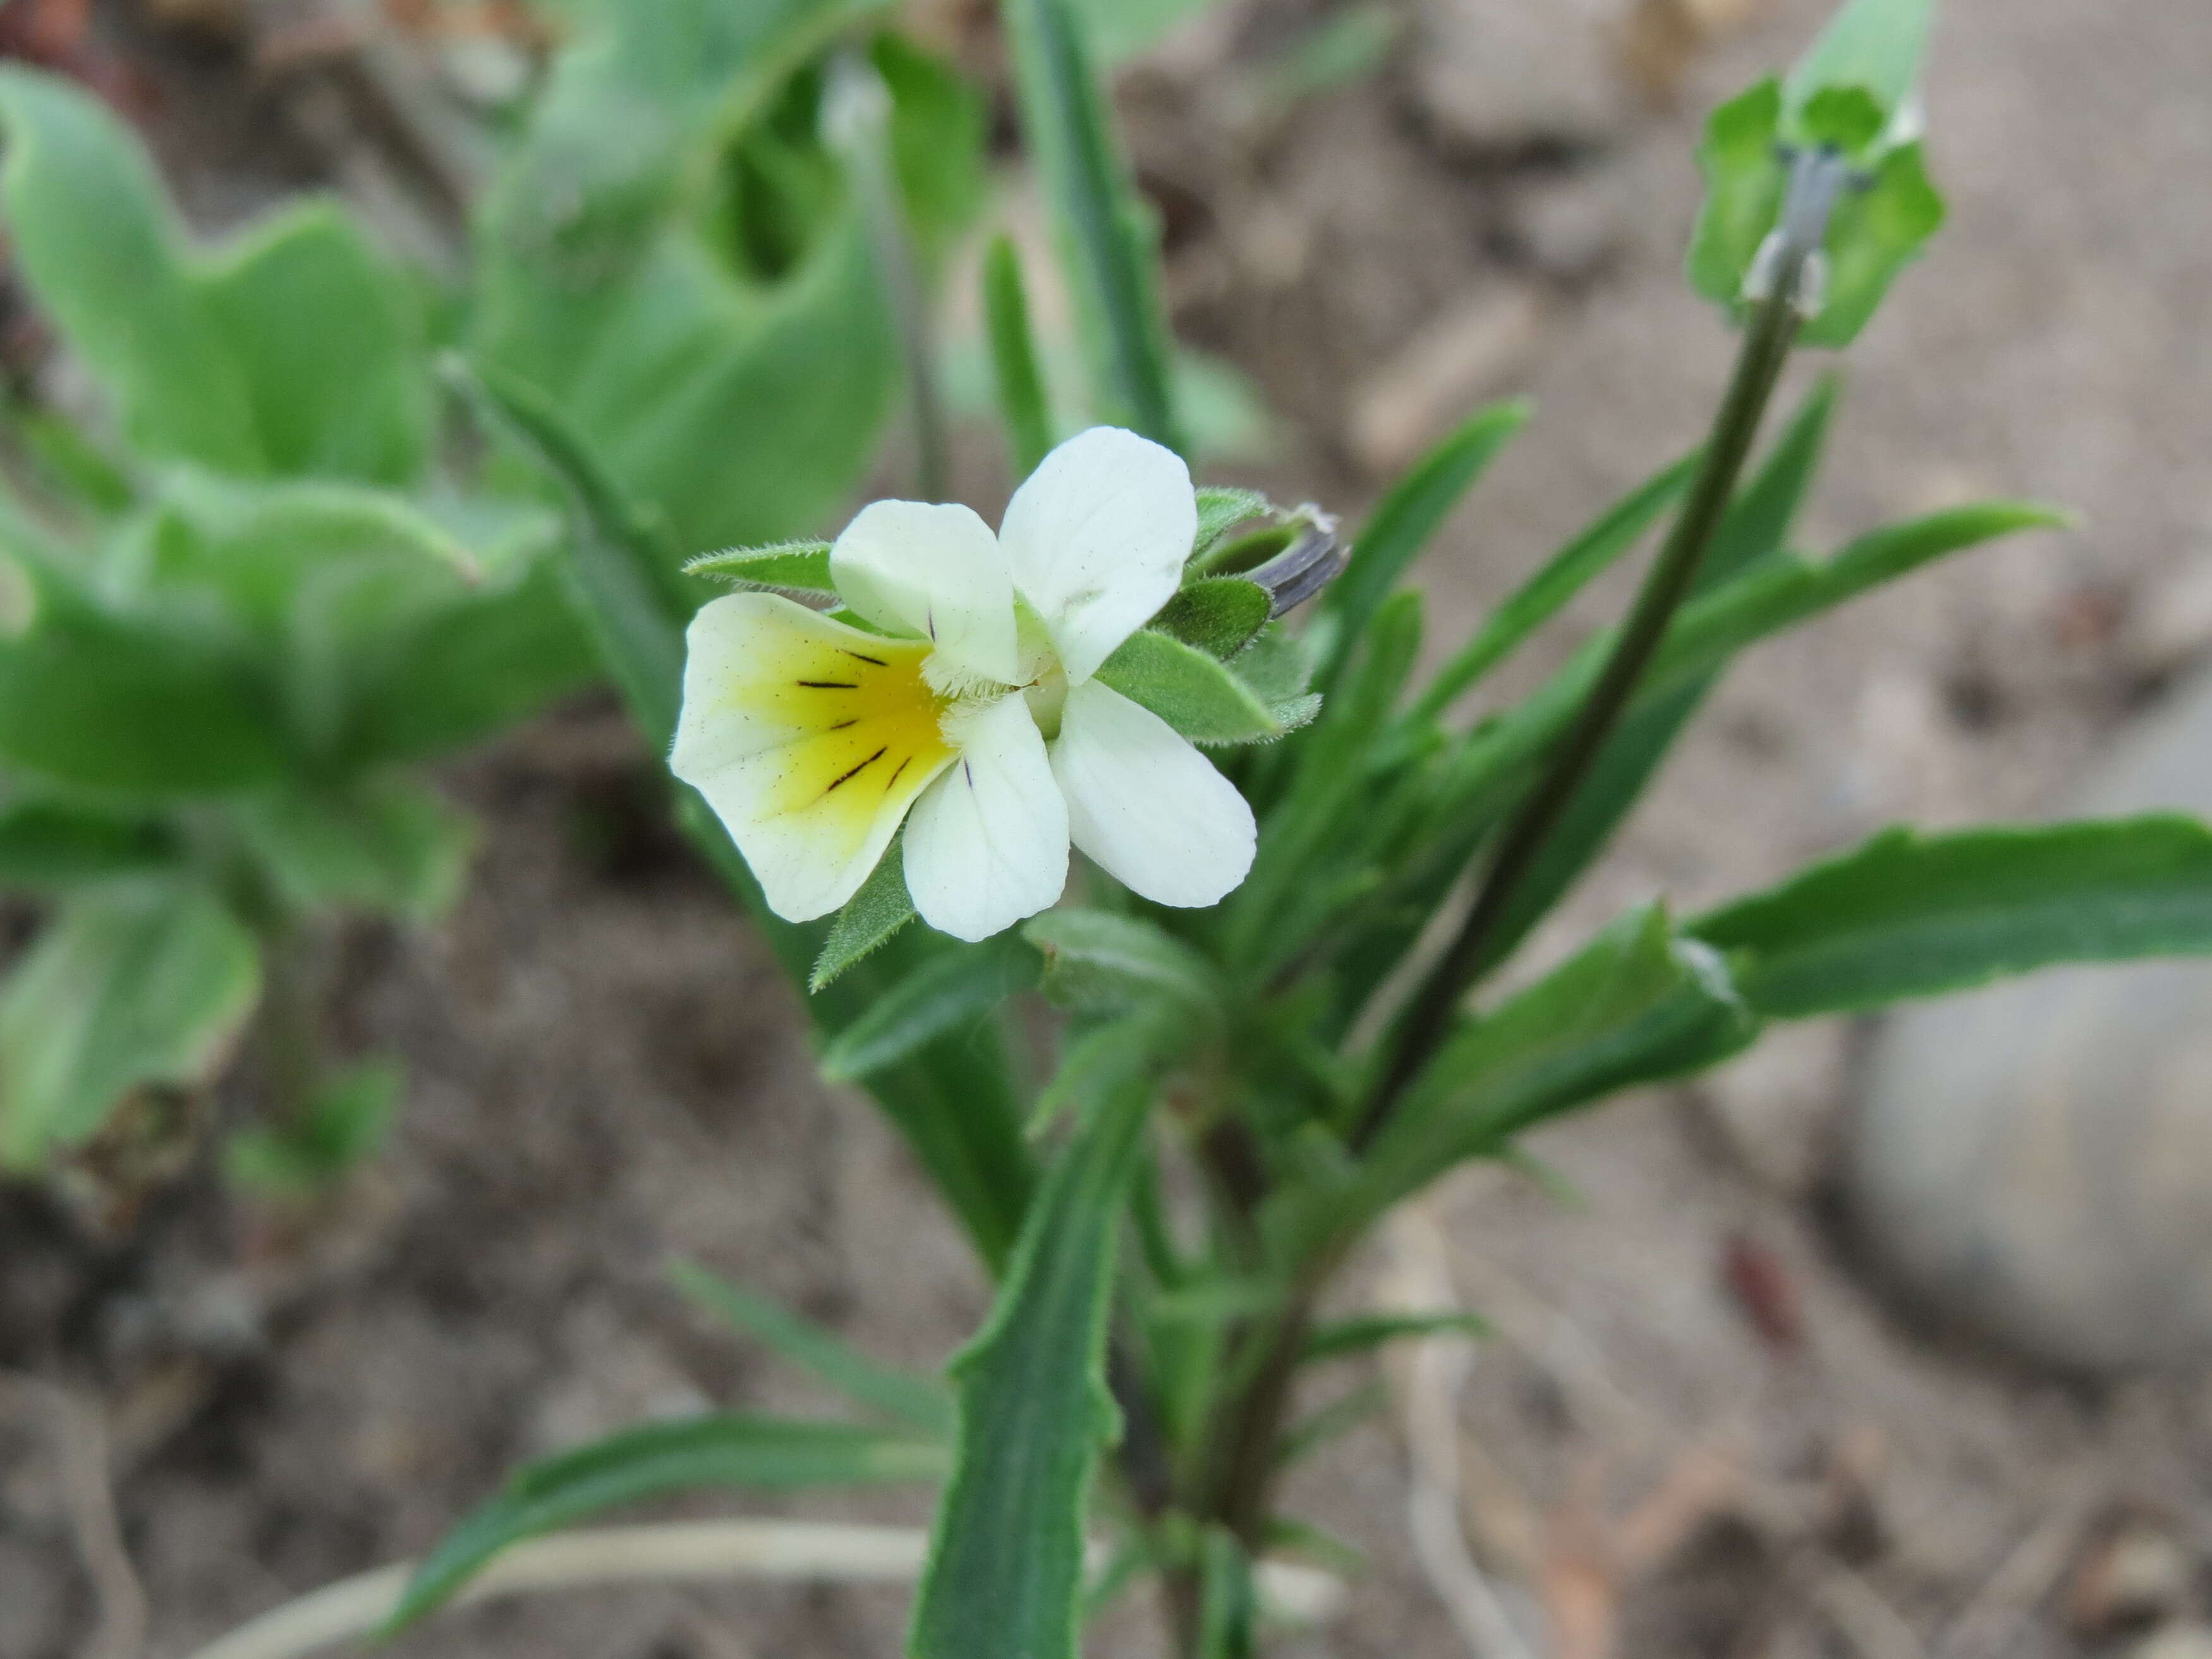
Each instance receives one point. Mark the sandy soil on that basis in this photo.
(606, 1069)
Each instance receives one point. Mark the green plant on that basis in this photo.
(1309, 1049)
(239, 624)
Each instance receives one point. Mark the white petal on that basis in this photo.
(809, 738)
(935, 573)
(988, 843)
(1097, 540)
(1146, 806)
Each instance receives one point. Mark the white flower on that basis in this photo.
(974, 716)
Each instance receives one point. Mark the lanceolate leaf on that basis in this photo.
(697, 1454)
(799, 566)
(919, 1401)
(1911, 915)
(44, 844)
(1107, 243)
(1874, 45)
(1637, 1005)
(1410, 514)
(950, 991)
(1544, 594)
(1095, 962)
(1024, 405)
(1004, 1579)
(132, 984)
(1347, 1337)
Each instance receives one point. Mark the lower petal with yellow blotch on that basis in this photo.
(809, 739)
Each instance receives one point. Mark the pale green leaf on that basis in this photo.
(386, 845)
(1004, 1578)
(1744, 186)
(1024, 408)
(919, 1401)
(132, 986)
(1096, 961)
(1911, 915)
(950, 991)
(1875, 47)
(693, 1455)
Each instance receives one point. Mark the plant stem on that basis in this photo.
(1816, 179)
(1251, 1425)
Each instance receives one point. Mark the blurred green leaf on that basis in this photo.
(1339, 1418)
(1098, 962)
(919, 1401)
(92, 233)
(345, 1123)
(1744, 186)
(797, 567)
(50, 844)
(1120, 28)
(383, 844)
(1024, 408)
(1876, 232)
(1411, 513)
(1911, 915)
(1218, 614)
(1346, 1338)
(1873, 46)
(327, 344)
(136, 985)
(1197, 695)
(1228, 1605)
(1637, 1005)
(948, 992)
(879, 910)
(104, 703)
(1004, 1578)
(939, 132)
(693, 1455)
(673, 257)
(1107, 240)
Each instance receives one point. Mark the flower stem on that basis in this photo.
(1781, 276)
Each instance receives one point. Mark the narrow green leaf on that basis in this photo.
(613, 560)
(916, 1400)
(1199, 696)
(1024, 405)
(1218, 614)
(1097, 1066)
(1409, 516)
(1229, 1607)
(797, 566)
(1004, 1579)
(1107, 243)
(869, 918)
(1345, 1338)
(1637, 1005)
(1914, 915)
(92, 231)
(132, 985)
(1546, 593)
(1094, 961)
(45, 845)
(1331, 1422)
(694, 1454)
(1771, 597)
(949, 992)
(940, 131)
